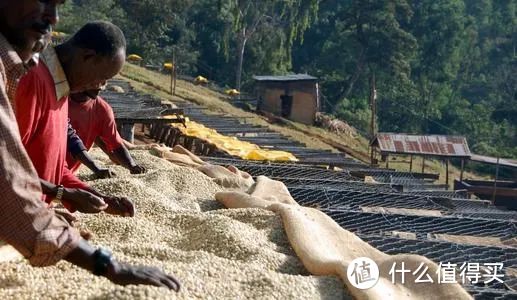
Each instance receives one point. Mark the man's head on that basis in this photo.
(24, 23)
(93, 55)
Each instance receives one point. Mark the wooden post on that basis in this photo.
(128, 132)
(387, 161)
(174, 72)
(373, 104)
(172, 80)
(495, 181)
(411, 163)
(462, 168)
(447, 172)
(423, 164)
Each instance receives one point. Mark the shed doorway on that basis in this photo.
(287, 104)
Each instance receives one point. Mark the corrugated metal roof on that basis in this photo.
(292, 77)
(433, 145)
(493, 160)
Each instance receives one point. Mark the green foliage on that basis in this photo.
(441, 66)
(355, 111)
(282, 20)
(76, 13)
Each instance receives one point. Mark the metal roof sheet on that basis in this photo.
(493, 160)
(291, 77)
(432, 145)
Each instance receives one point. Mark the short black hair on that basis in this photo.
(103, 37)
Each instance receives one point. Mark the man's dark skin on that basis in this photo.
(120, 155)
(85, 69)
(25, 23)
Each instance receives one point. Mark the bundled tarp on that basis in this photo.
(232, 145)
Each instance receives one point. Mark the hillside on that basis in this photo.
(438, 67)
(158, 84)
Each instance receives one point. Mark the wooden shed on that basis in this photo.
(295, 97)
(445, 147)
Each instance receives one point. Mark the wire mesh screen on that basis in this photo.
(421, 226)
(242, 162)
(496, 215)
(491, 294)
(334, 184)
(434, 193)
(396, 177)
(295, 172)
(446, 252)
(353, 200)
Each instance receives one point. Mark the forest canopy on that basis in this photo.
(440, 66)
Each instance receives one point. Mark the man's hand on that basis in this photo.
(83, 255)
(66, 215)
(103, 173)
(136, 169)
(120, 206)
(84, 201)
(124, 274)
(71, 219)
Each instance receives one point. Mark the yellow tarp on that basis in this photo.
(134, 57)
(271, 155)
(232, 145)
(167, 66)
(200, 80)
(58, 34)
(232, 92)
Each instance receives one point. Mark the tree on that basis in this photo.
(249, 17)
(437, 63)
(153, 26)
(444, 67)
(354, 41)
(374, 28)
(75, 14)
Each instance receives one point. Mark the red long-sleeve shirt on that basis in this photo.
(43, 120)
(93, 119)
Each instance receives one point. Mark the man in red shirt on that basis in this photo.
(94, 122)
(93, 55)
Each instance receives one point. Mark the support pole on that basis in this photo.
(373, 106)
(447, 173)
(172, 80)
(495, 181)
(462, 168)
(387, 161)
(174, 72)
(411, 164)
(423, 164)
(127, 132)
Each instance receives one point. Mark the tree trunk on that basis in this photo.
(373, 105)
(359, 67)
(422, 90)
(240, 52)
(428, 101)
